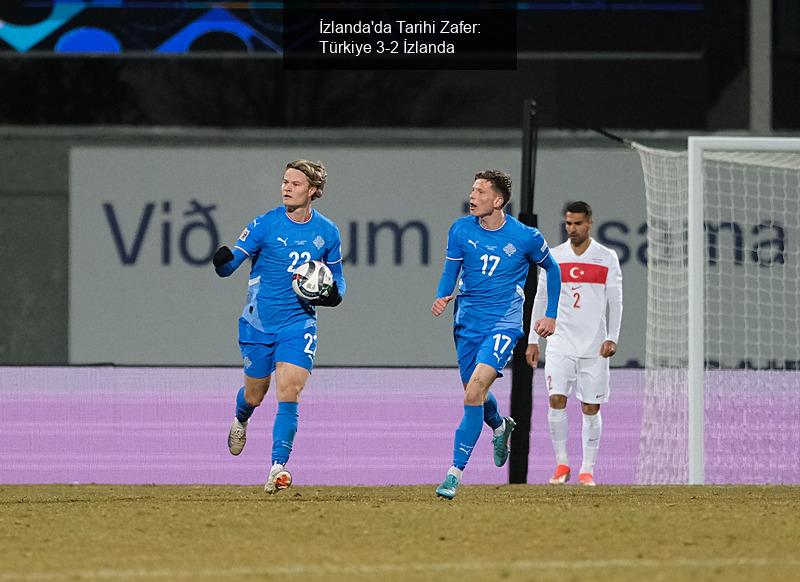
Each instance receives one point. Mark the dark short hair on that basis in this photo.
(578, 207)
(499, 180)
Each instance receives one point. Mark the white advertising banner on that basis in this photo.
(144, 223)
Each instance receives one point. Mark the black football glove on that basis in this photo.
(331, 299)
(222, 256)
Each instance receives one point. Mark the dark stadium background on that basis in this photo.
(650, 65)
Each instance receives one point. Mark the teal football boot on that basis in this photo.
(448, 488)
(501, 443)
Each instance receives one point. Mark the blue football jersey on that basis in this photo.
(276, 245)
(494, 267)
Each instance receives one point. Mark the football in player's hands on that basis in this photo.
(312, 281)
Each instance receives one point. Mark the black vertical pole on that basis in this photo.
(521, 373)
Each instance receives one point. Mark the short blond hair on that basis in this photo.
(314, 171)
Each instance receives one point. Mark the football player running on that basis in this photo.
(277, 329)
(577, 355)
(493, 252)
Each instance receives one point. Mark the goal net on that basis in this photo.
(722, 390)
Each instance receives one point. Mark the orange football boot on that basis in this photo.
(560, 476)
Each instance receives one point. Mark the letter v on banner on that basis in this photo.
(128, 257)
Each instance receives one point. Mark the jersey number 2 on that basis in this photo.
(311, 338)
(577, 297)
(296, 257)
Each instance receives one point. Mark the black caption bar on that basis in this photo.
(400, 35)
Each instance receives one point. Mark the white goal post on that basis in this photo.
(721, 314)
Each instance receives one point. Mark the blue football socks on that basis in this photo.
(243, 409)
(491, 416)
(283, 432)
(467, 435)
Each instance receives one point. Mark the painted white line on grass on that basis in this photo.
(315, 569)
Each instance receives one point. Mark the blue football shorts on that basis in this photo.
(493, 349)
(295, 346)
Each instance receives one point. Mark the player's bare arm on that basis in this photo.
(532, 355)
(608, 349)
(440, 304)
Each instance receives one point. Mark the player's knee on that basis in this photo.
(290, 392)
(472, 400)
(558, 401)
(255, 390)
(254, 398)
(474, 395)
(590, 409)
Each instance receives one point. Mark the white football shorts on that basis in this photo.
(588, 377)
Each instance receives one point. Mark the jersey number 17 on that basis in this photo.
(486, 259)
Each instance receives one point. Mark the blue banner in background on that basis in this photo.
(70, 28)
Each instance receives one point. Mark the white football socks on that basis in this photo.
(457, 472)
(557, 422)
(590, 433)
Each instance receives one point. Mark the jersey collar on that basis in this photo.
(292, 220)
(502, 224)
(589, 246)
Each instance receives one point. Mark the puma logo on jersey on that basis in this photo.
(283, 240)
(473, 243)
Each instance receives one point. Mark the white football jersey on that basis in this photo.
(589, 283)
